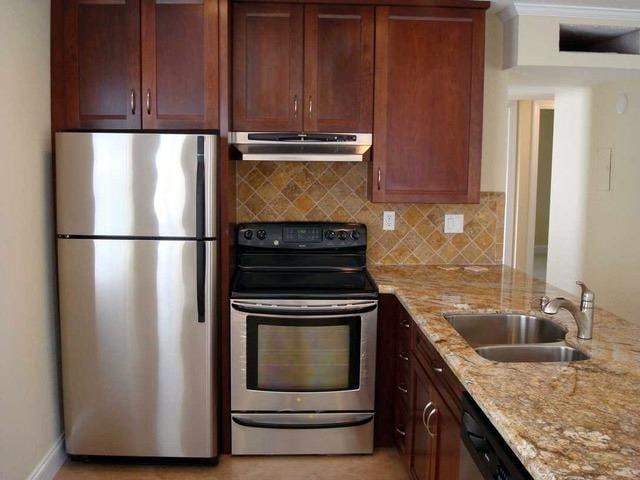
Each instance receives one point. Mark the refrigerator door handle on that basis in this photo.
(201, 273)
(200, 190)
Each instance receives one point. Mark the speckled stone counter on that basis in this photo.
(563, 420)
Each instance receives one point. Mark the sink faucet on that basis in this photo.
(582, 315)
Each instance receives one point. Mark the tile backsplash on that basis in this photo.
(326, 191)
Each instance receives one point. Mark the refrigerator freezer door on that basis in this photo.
(135, 184)
(137, 362)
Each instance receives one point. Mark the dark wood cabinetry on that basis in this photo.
(131, 64)
(267, 67)
(102, 63)
(426, 409)
(180, 64)
(429, 69)
(302, 68)
(338, 68)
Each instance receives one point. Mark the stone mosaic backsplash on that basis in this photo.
(331, 191)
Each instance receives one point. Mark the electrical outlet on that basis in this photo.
(454, 223)
(389, 221)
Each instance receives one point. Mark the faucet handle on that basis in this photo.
(586, 294)
(544, 301)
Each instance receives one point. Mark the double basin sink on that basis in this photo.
(515, 338)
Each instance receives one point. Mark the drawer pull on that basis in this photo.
(403, 389)
(437, 369)
(405, 324)
(404, 357)
(401, 432)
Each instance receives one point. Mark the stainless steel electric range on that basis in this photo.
(303, 340)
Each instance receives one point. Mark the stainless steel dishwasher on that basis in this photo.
(484, 455)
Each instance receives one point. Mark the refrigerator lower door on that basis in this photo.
(137, 355)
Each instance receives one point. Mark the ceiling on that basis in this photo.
(497, 5)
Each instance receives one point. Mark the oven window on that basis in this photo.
(303, 354)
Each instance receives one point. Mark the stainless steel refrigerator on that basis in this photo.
(137, 281)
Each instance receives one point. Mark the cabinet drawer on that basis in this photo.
(400, 426)
(442, 376)
(402, 368)
(404, 331)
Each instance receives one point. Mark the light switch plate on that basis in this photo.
(454, 223)
(389, 220)
(603, 170)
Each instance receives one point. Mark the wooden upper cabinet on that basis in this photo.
(180, 64)
(338, 68)
(131, 64)
(429, 72)
(302, 68)
(267, 67)
(102, 64)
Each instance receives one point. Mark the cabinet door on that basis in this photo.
(422, 454)
(180, 64)
(338, 64)
(102, 64)
(428, 105)
(267, 67)
(445, 428)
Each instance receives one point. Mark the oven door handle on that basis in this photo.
(250, 422)
(304, 310)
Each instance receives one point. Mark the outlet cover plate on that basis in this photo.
(454, 223)
(389, 220)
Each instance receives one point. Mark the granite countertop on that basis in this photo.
(563, 420)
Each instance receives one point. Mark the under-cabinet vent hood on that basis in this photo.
(301, 147)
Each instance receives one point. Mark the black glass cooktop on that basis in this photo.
(303, 284)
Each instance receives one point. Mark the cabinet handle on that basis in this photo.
(404, 357)
(437, 369)
(379, 178)
(405, 324)
(401, 432)
(431, 414)
(132, 101)
(402, 389)
(310, 106)
(148, 101)
(424, 412)
(295, 106)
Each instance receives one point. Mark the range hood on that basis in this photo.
(301, 147)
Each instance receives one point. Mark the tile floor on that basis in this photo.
(384, 464)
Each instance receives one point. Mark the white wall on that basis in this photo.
(494, 133)
(569, 178)
(535, 41)
(612, 267)
(29, 400)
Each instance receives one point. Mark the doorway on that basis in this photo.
(529, 185)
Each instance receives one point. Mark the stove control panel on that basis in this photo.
(302, 235)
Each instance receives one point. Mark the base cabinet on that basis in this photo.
(426, 407)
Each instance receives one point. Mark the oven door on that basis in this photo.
(303, 355)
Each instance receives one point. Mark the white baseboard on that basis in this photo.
(540, 249)
(51, 462)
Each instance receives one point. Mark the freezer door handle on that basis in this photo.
(200, 191)
(201, 273)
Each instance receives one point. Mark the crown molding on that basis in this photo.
(569, 11)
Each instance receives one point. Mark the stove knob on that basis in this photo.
(355, 235)
(261, 234)
(248, 234)
(342, 235)
(329, 234)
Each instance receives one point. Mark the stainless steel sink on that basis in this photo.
(505, 329)
(532, 353)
